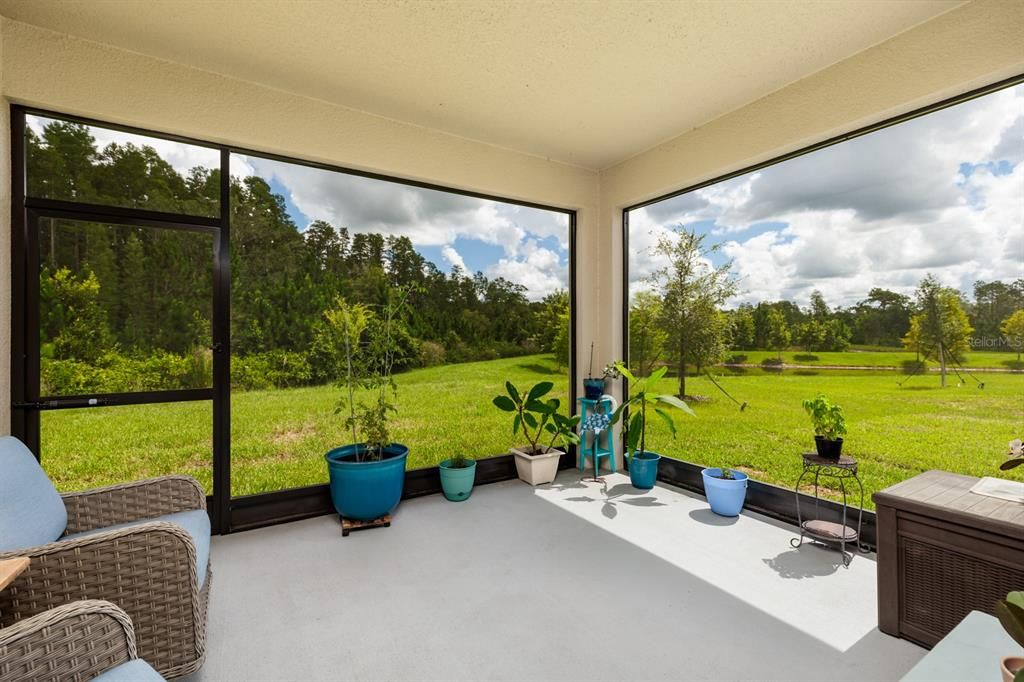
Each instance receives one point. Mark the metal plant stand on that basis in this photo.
(841, 470)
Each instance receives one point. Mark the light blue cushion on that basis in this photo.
(31, 511)
(195, 521)
(132, 671)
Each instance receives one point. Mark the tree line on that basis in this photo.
(124, 307)
(680, 317)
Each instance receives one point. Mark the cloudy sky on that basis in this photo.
(943, 194)
(524, 245)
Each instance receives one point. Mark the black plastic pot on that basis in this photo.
(829, 449)
(593, 389)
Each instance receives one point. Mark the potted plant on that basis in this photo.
(367, 476)
(537, 420)
(726, 490)
(829, 426)
(643, 464)
(457, 477)
(1010, 612)
(593, 387)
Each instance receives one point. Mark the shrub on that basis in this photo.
(116, 373)
(432, 354)
(272, 369)
(913, 366)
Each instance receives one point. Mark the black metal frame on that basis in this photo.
(765, 498)
(227, 514)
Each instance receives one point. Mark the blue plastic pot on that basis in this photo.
(593, 389)
(643, 469)
(369, 489)
(457, 482)
(725, 496)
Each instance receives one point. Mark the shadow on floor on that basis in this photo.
(710, 518)
(621, 493)
(809, 561)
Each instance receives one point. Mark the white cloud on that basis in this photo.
(881, 210)
(454, 259)
(538, 269)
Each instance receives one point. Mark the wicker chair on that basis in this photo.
(83, 640)
(115, 548)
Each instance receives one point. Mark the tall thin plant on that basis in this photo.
(370, 353)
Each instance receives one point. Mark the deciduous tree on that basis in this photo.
(693, 290)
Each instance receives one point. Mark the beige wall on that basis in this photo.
(76, 76)
(975, 45)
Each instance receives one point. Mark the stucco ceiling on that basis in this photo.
(587, 83)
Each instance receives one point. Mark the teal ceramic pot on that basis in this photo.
(457, 482)
(643, 469)
(369, 489)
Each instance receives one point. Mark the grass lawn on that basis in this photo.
(279, 437)
(894, 432)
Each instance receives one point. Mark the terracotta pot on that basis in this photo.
(1011, 664)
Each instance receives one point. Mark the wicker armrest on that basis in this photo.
(148, 569)
(126, 502)
(75, 641)
(70, 555)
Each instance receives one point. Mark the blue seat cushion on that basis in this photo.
(195, 521)
(32, 512)
(132, 671)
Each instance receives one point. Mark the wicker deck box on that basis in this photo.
(943, 551)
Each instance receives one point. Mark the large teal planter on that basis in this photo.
(457, 482)
(725, 496)
(370, 489)
(643, 469)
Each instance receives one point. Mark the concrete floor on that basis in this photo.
(573, 581)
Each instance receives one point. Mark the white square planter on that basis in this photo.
(537, 469)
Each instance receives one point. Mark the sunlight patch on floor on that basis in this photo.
(749, 556)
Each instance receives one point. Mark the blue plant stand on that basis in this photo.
(595, 419)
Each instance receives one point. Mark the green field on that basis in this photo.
(279, 436)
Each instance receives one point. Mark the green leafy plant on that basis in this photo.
(1010, 612)
(726, 475)
(369, 352)
(1016, 455)
(642, 397)
(828, 419)
(459, 461)
(536, 418)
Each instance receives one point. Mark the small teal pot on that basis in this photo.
(366, 490)
(457, 482)
(643, 469)
(725, 497)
